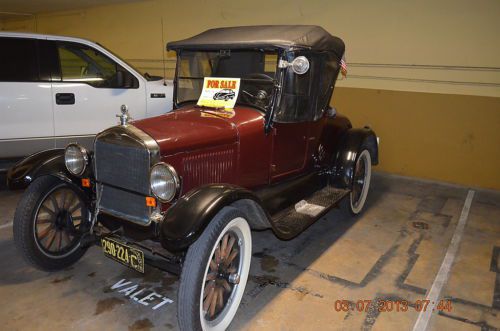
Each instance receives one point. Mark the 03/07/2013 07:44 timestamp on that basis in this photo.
(391, 305)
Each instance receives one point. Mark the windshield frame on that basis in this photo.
(275, 89)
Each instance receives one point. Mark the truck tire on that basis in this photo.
(215, 273)
(49, 222)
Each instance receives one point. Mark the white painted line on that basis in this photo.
(442, 276)
(8, 225)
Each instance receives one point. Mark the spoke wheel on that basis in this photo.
(57, 222)
(222, 276)
(361, 182)
(215, 273)
(50, 221)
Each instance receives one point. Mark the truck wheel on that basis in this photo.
(362, 173)
(215, 273)
(49, 223)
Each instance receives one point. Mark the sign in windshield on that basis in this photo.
(219, 92)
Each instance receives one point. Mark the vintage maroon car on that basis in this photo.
(182, 191)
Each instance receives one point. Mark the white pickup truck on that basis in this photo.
(55, 90)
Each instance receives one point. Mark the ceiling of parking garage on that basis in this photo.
(14, 8)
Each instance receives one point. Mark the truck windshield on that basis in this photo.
(256, 69)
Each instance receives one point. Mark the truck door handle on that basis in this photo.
(65, 98)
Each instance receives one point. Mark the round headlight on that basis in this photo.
(164, 182)
(300, 65)
(75, 158)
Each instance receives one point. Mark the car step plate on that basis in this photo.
(124, 254)
(298, 217)
(304, 207)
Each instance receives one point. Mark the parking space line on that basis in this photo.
(442, 276)
(5, 226)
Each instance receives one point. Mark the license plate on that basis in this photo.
(124, 254)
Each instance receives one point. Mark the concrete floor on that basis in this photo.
(391, 252)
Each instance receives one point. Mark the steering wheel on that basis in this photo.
(253, 94)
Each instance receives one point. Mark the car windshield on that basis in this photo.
(256, 69)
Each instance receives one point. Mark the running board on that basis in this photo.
(295, 219)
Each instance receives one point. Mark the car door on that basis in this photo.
(88, 91)
(289, 149)
(291, 126)
(26, 124)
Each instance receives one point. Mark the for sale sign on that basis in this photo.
(219, 92)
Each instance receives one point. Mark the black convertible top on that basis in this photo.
(267, 37)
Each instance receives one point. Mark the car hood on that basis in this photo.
(191, 128)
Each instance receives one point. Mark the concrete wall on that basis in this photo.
(425, 75)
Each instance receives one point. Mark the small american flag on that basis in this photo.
(343, 66)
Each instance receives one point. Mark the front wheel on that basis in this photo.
(49, 223)
(215, 273)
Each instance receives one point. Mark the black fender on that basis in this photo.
(188, 217)
(48, 162)
(347, 153)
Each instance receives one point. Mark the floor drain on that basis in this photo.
(420, 225)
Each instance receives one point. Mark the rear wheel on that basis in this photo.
(360, 183)
(215, 273)
(49, 223)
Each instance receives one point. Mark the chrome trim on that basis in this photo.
(149, 143)
(174, 175)
(85, 158)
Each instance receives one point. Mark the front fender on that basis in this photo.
(188, 217)
(348, 151)
(48, 162)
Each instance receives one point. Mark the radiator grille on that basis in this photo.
(122, 165)
(124, 204)
(208, 167)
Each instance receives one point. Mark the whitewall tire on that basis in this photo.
(362, 173)
(215, 273)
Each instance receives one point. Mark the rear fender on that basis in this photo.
(347, 154)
